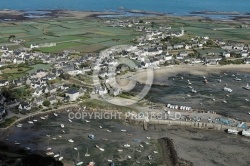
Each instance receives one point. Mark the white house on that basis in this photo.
(72, 94)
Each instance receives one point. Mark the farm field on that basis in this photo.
(85, 35)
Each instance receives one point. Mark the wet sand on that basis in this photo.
(201, 147)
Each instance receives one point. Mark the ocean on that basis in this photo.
(173, 7)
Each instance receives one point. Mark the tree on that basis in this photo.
(46, 103)
(65, 76)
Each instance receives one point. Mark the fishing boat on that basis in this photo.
(123, 130)
(109, 131)
(141, 145)
(87, 153)
(19, 125)
(155, 152)
(246, 133)
(247, 87)
(75, 148)
(50, 153)
(193, 91)
(100, 127)
(92, 163)
(34, 120)
(70, 120)
(57, 155)
(112, 164)
(62, 125)
(227, 89)
(237, 79)
(55, 114)
(126, 145)
(70, 140)
(232, 131)
(78, 160)
(30, 121)
(138, 150)
(43, 118)
(224, 101)
(91, 136)
(61, 157)
(120, 150)
(101, 149)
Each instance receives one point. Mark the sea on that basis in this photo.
(171, 7)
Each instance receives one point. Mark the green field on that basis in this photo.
(85, 35)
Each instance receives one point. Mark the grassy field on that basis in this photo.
(88, 35)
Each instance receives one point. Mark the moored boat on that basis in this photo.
(232, 131)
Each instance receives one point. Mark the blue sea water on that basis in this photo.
(175, 7)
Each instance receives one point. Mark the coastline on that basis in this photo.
(18, 15)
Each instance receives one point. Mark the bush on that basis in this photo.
(46, 103)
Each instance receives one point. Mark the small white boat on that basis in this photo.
(17, 143)
(60, 158)
(87, 121)
(54, 138)
(59, 136)
(70, 140)
(189, 83)
(138, 162)
(126, 145)
(27, 148)
(219, 80)
(43, 118)
(49, 148)
(138, 150)
(246, 99)
(55, 114)
(109, 131)
(79, 163)
(34, 120)
(237, 79)
(231, 131)
(224, 101)
(120, 150)
(50, 153)
(101, 149)
(155, 152)
(123, 130)
(57, 155)
(147, 143)
(246, 133)
(63, 131)
(87, 153)
(70, 120)
(30, 122)
(75, 148)
(148, 137)
(62, 125)
(141, 145)
(149, 157)
(100, 127)
(19, 125)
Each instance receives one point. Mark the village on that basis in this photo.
(69, 78)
